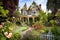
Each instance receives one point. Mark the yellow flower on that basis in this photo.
(42, 31)
(11, 28)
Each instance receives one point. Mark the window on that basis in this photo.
(24, 12)
(33, 11)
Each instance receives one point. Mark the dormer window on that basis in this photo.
(33, 11)
(24, 12)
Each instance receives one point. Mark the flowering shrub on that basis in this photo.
(6, 31)
(37, 26)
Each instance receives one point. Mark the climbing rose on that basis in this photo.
(1, 26)
(9, 36)
(2, 23)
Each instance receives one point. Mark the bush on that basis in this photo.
(7, 31)
(16, 36)
(3, 12)
(32, 35)
(56, 31)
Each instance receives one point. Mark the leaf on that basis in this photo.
(3, 38)
(3, 12)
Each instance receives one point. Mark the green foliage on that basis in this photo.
(50, 16)
(32, 35)
(8, 24)
(56, 31)
(3, 12)
(3, 38)
(17, 14)
(58, 14)
(16, 36)
(43, 17)
(35, 32)
(52, 22)
(8, 27)
(5, 29)
(18, 22)
(24, 28)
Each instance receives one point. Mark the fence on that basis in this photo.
(43, 36)
(46, 37)
(49, 36)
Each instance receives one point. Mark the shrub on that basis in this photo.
(32, 35)
(3, 12)
(7, 32)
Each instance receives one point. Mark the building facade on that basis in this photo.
(30, 15)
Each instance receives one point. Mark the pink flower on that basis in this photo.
(1, 26)
(8, 35)
(2, 23)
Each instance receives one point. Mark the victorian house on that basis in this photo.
(30, 15)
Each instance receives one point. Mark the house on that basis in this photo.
(30, 15)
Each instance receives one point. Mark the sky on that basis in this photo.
(29, 2)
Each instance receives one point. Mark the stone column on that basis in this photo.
(33, 20)
(23, 20)
(20, 18)
(28, 20)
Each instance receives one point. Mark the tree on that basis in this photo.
(10, 5)
(53, 5)
(43, 17)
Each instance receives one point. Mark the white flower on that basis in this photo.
(5, 33)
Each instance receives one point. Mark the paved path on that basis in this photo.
(28, 30)
(25, 32)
